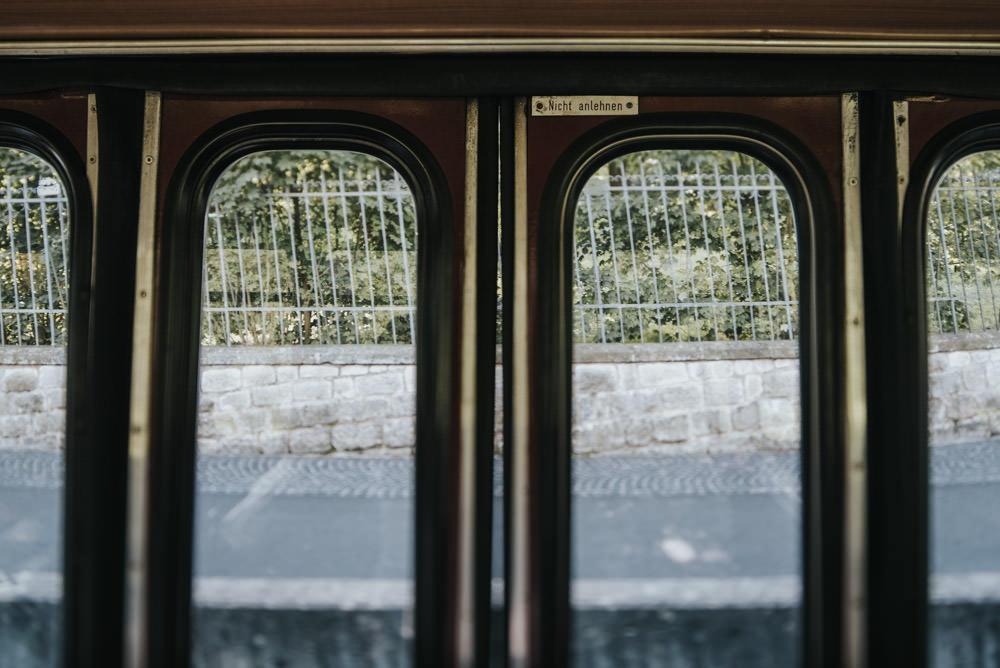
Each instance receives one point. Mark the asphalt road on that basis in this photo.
(679, 530)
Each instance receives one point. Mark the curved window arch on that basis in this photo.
(613, 590)
(317, 207)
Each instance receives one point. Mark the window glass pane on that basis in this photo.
(686, 509)
(34, 273)
(963, 321)
(304, 543)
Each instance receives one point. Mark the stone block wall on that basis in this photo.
(711, 397)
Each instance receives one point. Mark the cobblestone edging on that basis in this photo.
(646, 398)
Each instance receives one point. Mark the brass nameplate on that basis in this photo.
(584, 105)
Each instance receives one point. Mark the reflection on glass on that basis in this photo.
(963, 319)
(686, 482)
(34, 274)
(304, 543)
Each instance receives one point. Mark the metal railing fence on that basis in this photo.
(963, 247)
(34, 252)
(685, 246)
(330, 260)
(669, 246)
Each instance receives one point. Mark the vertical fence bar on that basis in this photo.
(13, 264)
(755, 186)
(725, 247)
(44, 219)
(958, 252)
(652, 247)
(398, 185)
(986, 247)
(597, 271)
(385, 251)
(631, 241)
(329, 253)
(963, 192)
(743, 240)
(223, 278)
(946, 260)
(295, 265)
(708, 247)
(670, 244)
(368, 256)
(614, 255)
(688, 266)
(350, 262)
(260, 279)
(243, 277)
(31, 269)
(781, 252)
(277, 269)
(317, 305)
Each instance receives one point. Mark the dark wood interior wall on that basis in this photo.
(817, 19)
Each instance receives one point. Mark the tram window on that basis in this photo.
(963, 321)
(303, 539)
(686, 431)
(34, 275)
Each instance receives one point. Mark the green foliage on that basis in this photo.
(34, 240)
(685, 246)
(325, 243)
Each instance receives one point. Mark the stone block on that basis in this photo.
(286, 373)
(23, 379)
(317, 413)
(358, 436)
(319, 371)
(781, 383)
(53, 422)
(400, 432)
(752, 367)
(711, 369)
(711, 422)
(958, 359)
(658, 374)
(272, 395)
(51, 377)
(774, 412)
(15, 426)
(360, 410)
(354, 370)
(753, 387)
(254, 376)
(379, 384)
(402, 405)
(254, 420)
(599, 436)
(974, 378)
(220, 379)
(945, 383)
(286, 417)
(234, 400)
(936, 362)
(55, 398)
(672, 429)
(410, 378)
(314, 440)
(272, 443)
(343, 387)
(723, 392)
(746, 418)
(311, 390)
(975, 428)
(639, 433)
(589, 378)
(26, 402)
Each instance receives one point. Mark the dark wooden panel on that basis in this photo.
(120, 19)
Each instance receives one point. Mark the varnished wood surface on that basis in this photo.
(966, 20)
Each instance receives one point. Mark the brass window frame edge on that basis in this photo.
(519, 632)
(466, 622)
(136, 603)
(418, 45)
(901, 131)
(855, 397)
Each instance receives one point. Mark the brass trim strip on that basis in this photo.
(465, 636)
(136, 602)
(93, 165)
(519, 633)
(901, 130)
(416, 45)
(855, 397)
